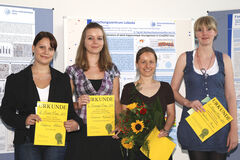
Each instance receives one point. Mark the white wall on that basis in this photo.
(137, 9)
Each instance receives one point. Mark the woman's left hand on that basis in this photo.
(117, 131)
(232, 140)
(71, 125)
(163, 133)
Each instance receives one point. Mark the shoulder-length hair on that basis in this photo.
(105, 60)
(207, 21)
(50, 36)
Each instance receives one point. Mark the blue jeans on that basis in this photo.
(28, 151)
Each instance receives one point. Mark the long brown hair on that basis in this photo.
(105, 60)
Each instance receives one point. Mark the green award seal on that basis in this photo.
(58, 137)
(108, 128)
(204, 133)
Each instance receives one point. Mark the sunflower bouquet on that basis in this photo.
(136, 123)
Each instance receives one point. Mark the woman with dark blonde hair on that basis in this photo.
(157, 95)
(93, 74)
(207, 74)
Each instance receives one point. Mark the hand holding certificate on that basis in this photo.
(51, 131)
(159, 148)
(101, 115)
(205, 124)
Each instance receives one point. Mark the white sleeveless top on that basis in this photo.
(211, 71)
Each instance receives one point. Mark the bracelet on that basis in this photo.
(165, 130)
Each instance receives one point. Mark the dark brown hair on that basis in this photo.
(41, 35)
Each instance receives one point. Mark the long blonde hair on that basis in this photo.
(105, 60)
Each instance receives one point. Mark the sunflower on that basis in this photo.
(137, 126)
(132, 106)
(127, 143)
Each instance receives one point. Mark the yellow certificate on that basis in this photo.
(159, 148)
(205, 124)
(51, 131)
(101, 115)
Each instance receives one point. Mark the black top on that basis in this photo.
(165, 95)
(96, 83)
(157, 103)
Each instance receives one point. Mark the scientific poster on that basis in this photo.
(235, 56)
(17, 30)
(125, 38)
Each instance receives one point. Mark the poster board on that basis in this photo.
(125, 37)
(228, 42)
(176, 32)
(19, 25)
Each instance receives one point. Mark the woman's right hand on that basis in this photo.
(82, 101)
(32, 119)
(196, 105)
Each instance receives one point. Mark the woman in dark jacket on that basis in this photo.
(37, 82)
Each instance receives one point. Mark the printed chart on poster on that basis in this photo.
(126, 37)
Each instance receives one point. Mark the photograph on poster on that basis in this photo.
(4, 70)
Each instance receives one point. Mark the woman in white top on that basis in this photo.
(207, 73)
(37, 82)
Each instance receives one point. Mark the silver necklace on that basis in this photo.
(202, 69)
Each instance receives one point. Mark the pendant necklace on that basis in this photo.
(202, 69)
(204, 72)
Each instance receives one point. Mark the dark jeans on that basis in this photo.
(28, 151)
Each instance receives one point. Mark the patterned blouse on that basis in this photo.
(83, 85)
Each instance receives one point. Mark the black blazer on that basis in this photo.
(21, 96)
